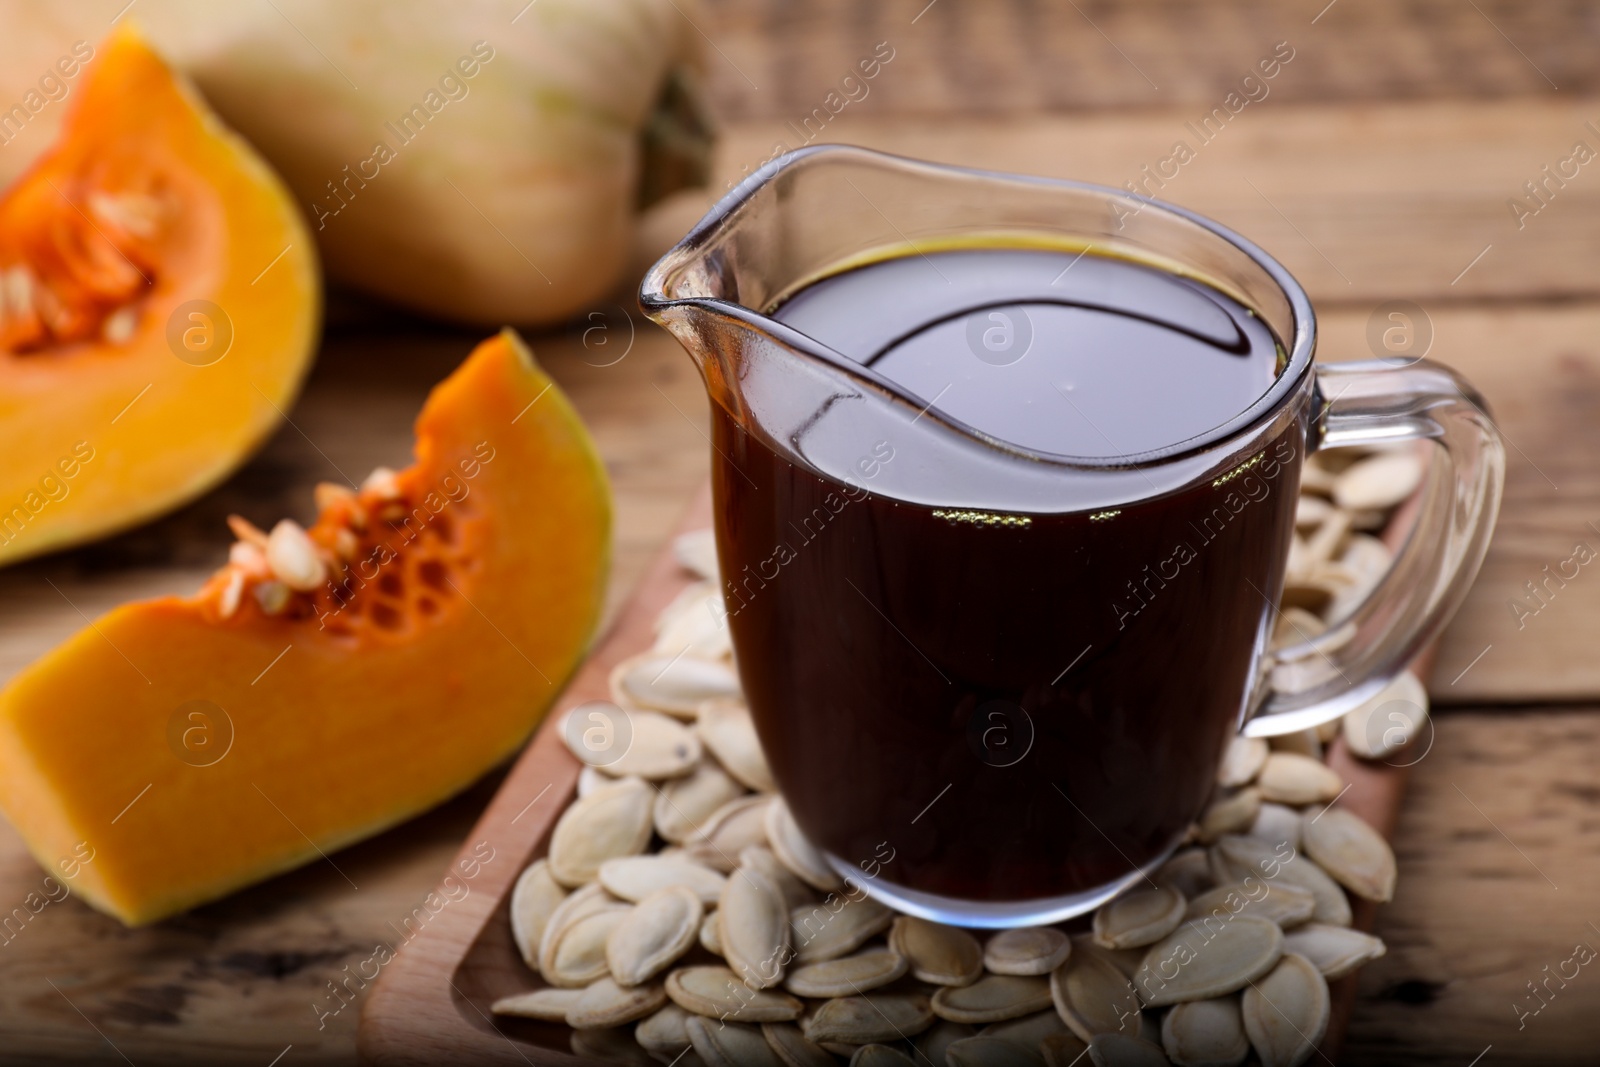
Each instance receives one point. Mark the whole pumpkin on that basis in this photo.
(481, 162)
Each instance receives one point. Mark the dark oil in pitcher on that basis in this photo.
(1019, 705)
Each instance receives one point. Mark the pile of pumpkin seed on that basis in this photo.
(681, 917)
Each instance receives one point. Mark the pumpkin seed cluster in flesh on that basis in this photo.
(1226, 952)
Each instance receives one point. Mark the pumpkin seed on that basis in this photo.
(730, 830)
(932, 1044)
(1196, 962)
(546, 1005)
(1242, 762)
(1294, 625)
(653, 935)
(728, 731)
(793, 1048)
(731, 1044)
(1333, 950)
(939, 954)
(1378, 482)
(859, 973)
(698, 629)
(1139, 918)
(1286, 1013)
(605, 1004)
(292, 557)
(1029, 1031)
(753, 928)
(710, 939)
(1028, 950)
(1276, 824)
(658, 747)
(684, 805)
(1188, 871)
(1285, 904)
(697, 552)
(880, 1056)
(1063, 1050)
(676, 684)
(633, 878)
(591, 779)
(1092, 996)
(797, 853)
(982, 1051)
(795, 893)
(1290, 778)
(863, 1020)
(612, 1046)
(610, 822)
(1230, 814)
(836, 927)
(666, 1033)
(1388, 722)
(1302, 742)
(580, 951)
(718, 993)
(1326, 541)
(579, 905)
(1205, 1033)
(1352, 852)
(1126, 960)
(534, 900)
(1245, 856)
(992, 998)
(232, 594)
(1125, 1050)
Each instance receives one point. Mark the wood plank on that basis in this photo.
(777, 59)
(1362, 203)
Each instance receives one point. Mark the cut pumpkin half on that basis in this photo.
(159, 306)
(328, 682)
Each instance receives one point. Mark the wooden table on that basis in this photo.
(1378, 168)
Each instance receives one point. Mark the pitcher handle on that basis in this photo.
(1377, 402)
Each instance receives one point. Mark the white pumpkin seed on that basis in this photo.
(1205, 1033)
(1029, 1031)
(938, 954)
(1378, 482)
(1290, 778)
(1388, 722)
(1063, 1050)
(676, 684)
(1282, 903)
(698, 629)
(860, 973)
(591, 779)
(1242, 762)
(1092, 995)
(1310, 511)
(753, 928)
(579, 905)
(1188, 871)
(605, 1003)
(1125, 1050)
(728, 731)
(836, 927)
(1141, 917)
(710, 939)
(1232, 813)
(1244, 857)
(1326, 541)
(718, 993)
(686, 804)
(633, 878)
(1196, 962)
(1352, 852)
(862, 1020)
(984, 1051)
(731, 1044)
(666, 1033)
(1333, 950)
(992, 998)
(1276, 824)
(1294, 625)
(580, 950)
(1302, 742)
(1028, 950)
(697, 552)
(610, 822)
(546, 1005)
(796, 852)
(793, 1048)
(1286, 1013)
(293, 559)
(730, 830)
(880, 1056)
(614, 1046)
(658, 748)
(795, 893)
(534, 900)
(653, 935)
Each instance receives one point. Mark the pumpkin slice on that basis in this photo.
(159, 306)
(326, 683)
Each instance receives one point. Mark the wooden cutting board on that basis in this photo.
(431, 1001)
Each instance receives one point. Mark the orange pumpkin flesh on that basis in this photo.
(145, 214)
(457, 597)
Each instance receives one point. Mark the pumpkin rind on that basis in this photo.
(328, 730)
